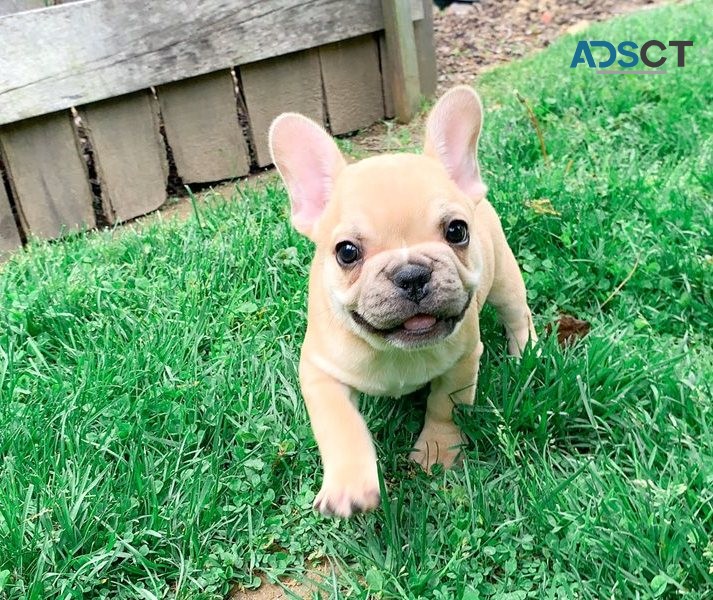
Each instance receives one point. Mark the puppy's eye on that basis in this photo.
(457, 233)
(347, 253)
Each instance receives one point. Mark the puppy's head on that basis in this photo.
(395, 252)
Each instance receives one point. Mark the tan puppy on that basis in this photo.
(407, 251)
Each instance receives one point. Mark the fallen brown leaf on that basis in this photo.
(569, 329)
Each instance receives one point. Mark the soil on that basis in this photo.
(289, 588)
(473, 37)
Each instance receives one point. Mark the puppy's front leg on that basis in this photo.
(509, 298)
(350, 483)
(441, 438)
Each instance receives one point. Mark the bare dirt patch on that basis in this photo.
(306, 588)
(472, 37)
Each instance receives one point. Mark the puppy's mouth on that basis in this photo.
(418, 330)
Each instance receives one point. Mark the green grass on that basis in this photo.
(154, 444)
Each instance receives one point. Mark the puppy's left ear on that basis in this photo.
(452, 133)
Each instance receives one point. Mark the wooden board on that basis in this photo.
(9, 236)
(129, 154)
(401, 48)
(426, 50)
(201, 121)
(8, 7)
(47, 175)
(283, 84)
(86, 51)
(352, 83)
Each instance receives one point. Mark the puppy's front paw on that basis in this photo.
(437, 446)
(348, 490)
(519, 337)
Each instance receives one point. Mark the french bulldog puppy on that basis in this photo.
(407, 251)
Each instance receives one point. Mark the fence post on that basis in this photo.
(426, 49)
(401, 47)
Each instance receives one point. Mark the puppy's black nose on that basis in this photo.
(413, 281)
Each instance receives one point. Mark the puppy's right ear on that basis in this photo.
(308, 161)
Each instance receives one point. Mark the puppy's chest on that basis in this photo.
(398, 376)
(393, 374)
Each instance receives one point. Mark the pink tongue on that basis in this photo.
(419, 322)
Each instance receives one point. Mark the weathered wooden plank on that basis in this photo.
(9, 236)
(47, 175)
(201, 121)
(87, 51)
(287, 83)
(352, 83)
(129, 154)
(8, 7)
(426, 51)
(401, 47)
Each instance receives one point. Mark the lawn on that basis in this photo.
(153, 439)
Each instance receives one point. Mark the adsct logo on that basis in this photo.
(652, 54)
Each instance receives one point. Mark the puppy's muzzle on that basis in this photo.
(412, 280)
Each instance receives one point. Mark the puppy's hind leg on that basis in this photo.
(441, 439)
(509, 298)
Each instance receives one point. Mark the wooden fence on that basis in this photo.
(99, 97)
